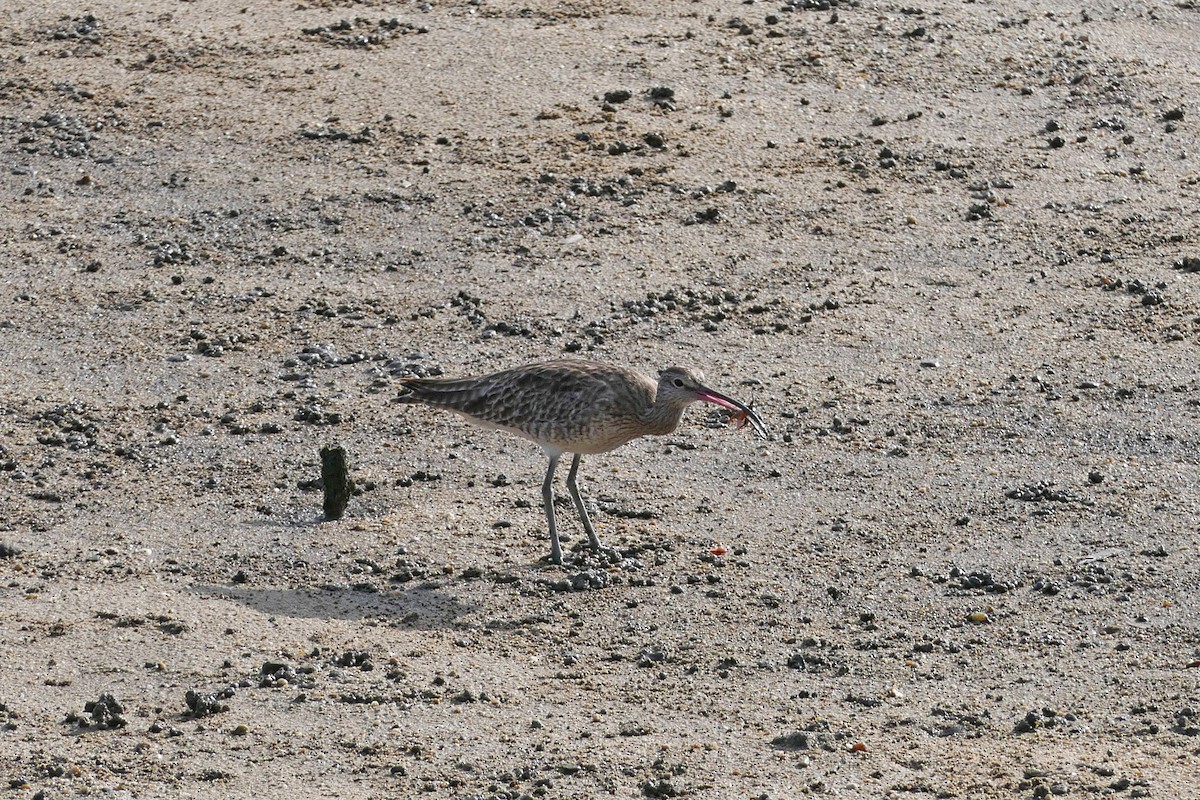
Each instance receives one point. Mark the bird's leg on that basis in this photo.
(574, 490)
(548, 500)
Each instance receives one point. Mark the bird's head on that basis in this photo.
(680, 386)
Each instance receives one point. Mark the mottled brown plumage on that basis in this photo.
(579, 407)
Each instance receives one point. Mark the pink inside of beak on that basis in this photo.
(717, 399)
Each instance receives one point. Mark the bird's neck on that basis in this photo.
(662, 418)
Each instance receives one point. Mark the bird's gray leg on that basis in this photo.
(573, 488)
(548, 500)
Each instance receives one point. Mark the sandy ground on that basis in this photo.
(945, 249)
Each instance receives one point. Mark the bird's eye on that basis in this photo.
(678, 383)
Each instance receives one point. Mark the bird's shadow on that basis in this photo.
(416, 607)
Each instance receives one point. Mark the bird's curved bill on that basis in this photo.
(743, 414)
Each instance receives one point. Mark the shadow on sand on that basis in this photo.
(417, 607)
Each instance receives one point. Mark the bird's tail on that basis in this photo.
(455, 394)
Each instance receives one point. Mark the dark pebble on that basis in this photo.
(106, 712)
(203, 705)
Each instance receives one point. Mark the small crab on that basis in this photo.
(745, 415)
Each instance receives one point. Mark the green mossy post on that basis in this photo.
(335, 477)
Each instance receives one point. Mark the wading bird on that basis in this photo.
(578, 407)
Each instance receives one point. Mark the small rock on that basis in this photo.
(106, 712)
(203, 705)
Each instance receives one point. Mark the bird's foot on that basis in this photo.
(585, 555)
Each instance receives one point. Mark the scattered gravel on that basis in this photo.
(946, 250)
